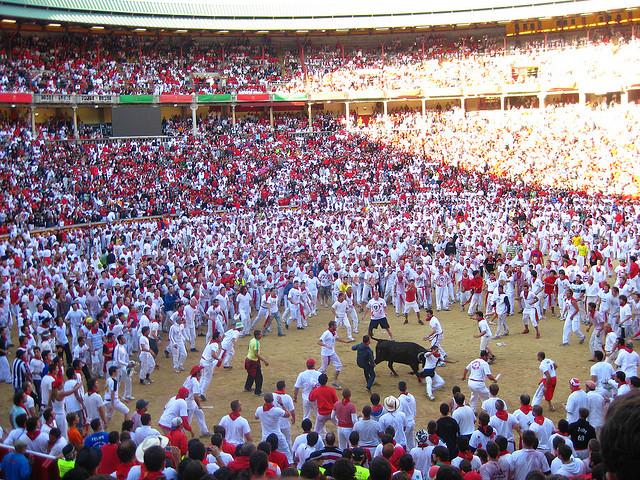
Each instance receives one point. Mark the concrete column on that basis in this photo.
(348, 115)
(271, 116)
(424, 107)
(309, 119)
(194, 120)
(502, 102)
(76, 133)
(233, 115)
(33, 121)
(385, 107)
(582, 98)
(624, 97)
(541, 100)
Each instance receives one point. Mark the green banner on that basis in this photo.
(136, 98)
(289, 97)
(209, 98)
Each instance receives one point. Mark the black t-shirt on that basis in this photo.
(581, 432)
(449, 430)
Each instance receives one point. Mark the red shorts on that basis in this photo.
(549, 388)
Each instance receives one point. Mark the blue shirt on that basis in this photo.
(97, 440)
(15, 466)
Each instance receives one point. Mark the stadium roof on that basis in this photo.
(265, 15)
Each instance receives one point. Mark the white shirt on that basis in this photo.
(92, 403)
(408, 407)
(543, 432)
(398, 420)
(547, 365)
(377, 307)
(596, 405)
(466, 419)
(269, 420)
(175, 407)
(603, 372)
(628, 362)
(478, 369)
(504, 427)
(489, 405)
(575, 402)
(235, 430)
(328, 340)
(307, 381)
(340, 309)
(287, 401)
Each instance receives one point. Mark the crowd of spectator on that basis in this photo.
(140, 65)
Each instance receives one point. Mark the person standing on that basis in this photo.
(547, 385)
(306, 381)
(328, 351)
(194, 399)
(394, 418)
(377, 309)
(176, 342)
(121, 360)
(411, 302)
(408, 407)
(572, 319)
(190, 312)
(478, 370)
(236, 427)
(147, 358)
(344, 415)
(281, 397)
(208, 361)
(576, 400)
(365, 361)
(253, 364)
(325, 398)
(270, 415)
(111, 397)
(484, 335)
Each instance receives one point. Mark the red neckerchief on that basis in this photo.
(280, 392)
(33, 435)
(502, 415)
(564, 434)
(504, 452)
(628, 349)
(404, 393)
(434, 438)
(539, 419)
(526, 409)
(147, 475)
(345, 401)
(123, 470)
(234, 415)
(376, 408)
(466, 455)
(267, 406)
(333, 333)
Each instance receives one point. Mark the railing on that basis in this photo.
(43, 466)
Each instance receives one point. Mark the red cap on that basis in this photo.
(311, 363)
(195, 369)
(183, 393)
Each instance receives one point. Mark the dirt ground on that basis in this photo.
(516, 361)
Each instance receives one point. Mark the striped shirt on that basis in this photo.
(20, 373)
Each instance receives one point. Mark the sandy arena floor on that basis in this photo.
(286, 355)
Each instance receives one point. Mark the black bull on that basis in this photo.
(407, 353)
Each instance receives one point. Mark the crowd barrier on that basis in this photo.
(43, 467)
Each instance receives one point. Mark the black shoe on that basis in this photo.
(203, 398)
(194, 350)
(248, 390)
(258, 394)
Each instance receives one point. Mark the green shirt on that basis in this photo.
(254, 349)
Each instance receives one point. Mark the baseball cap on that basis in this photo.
(140, 404)
(574, 382)
(239, 325)
(182, 393)
(311, 362)
(195, 369)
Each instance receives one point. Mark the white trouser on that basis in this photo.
(530, 317)
(476, 303)
(410, 435)
(442, 298)
(572, 325)
(478, 390)
(179, 354)
(207, 375)
(538, 395)
(595, 342)
(343, 437)
(263, 313)
(464, 296)
(433, 383)
(366, 293)
(61, 422)
(308, 408)
(125, 379)
(5, 371)
(328, 359)
(321, 420)
(190, 332)
(117, 406)
(353, 316)
(399, 303)
(286, 432)
(147, 364)
(502, 324)
(344, 322)
(199, 414)
(245, 318)
(228, 357)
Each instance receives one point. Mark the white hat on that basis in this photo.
(149, 442)
(391, 403)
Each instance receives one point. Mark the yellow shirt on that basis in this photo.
(576, 240)
(343, 287)
(583, 250)
(254, 349)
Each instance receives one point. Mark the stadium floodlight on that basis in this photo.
(8, 20)
(382, 29)
(54, 25)
(302, 31)
(97, 27)
(262, 32)
(181, 30)
(139, 29)
(222, 31)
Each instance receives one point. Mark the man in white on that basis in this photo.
(602, 374)
(433, 381)
(306, 381)
(176, 344)
(437, 333)
(547, 384)
(147, 357)
(281, 397)
(75, 318)
(190, 312)
(192, 383)
(543, 428)
(236, 427)
(504, 424)
(576, 400)
(269, 416)
(121, 360)
(484, 334)
(628, 360)
(408, 407)
(478, 370)
(176, 407)
(243, 304)
(596, 404)
(228, 344)
(572, 319)
(328, 351)
(208, 361)
(394, 418)
(529, 311)
(295, 297)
